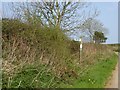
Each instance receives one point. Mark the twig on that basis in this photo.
(19, 84)
(51, 82)
(9, 82)
(38, 75)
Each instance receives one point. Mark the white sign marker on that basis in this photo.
(80, 44)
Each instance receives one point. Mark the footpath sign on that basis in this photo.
(81, 46)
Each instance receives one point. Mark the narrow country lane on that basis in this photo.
(113, 82)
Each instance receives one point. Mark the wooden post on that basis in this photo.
(80, 55)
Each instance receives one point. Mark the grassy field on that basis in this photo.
(96, 75)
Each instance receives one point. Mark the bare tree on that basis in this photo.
(89, 26)
(65, 15)
(55, 13)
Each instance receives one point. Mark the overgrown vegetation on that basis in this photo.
(115, 47)
(45, 49)
(96, 75)
(46, 57)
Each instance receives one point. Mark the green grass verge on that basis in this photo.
(97, 75)
(32, 76)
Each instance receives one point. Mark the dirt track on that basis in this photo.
(113, 80)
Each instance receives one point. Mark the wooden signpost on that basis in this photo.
(80, 55)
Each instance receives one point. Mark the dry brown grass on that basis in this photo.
(92, 53)
(17, 54)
